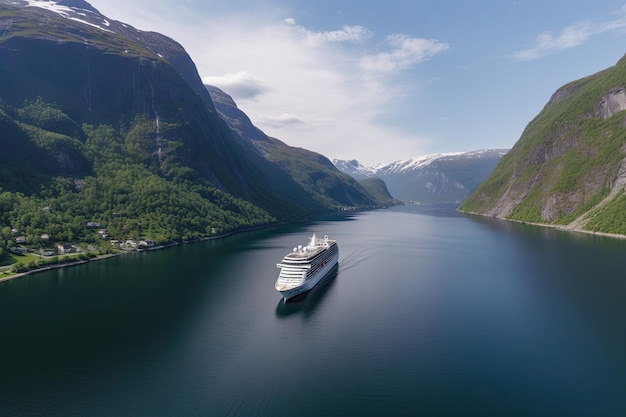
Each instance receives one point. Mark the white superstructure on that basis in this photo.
(305, 266)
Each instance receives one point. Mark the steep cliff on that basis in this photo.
(568, 168)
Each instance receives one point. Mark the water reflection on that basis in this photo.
(431, 209)
(545, 232)
(307, 303)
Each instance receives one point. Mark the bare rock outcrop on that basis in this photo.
(614, 101)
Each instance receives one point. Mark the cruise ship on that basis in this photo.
(305, 266)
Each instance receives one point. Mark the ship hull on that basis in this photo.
(311, 281)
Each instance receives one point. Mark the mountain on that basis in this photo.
(439, 178)
(101, 121)
(99, 71)
(324, 184)
(377, 188)
(568, 169)
(354, 168)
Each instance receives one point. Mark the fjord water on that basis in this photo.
(430, 312)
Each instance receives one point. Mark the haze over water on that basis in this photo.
(430, 313)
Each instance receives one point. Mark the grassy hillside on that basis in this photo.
(378, 189)
(318, 176)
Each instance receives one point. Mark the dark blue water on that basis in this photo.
(430, 313)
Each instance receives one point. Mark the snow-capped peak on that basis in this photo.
(53, 6)
(76, 10)
(413, 163)
(354, 168)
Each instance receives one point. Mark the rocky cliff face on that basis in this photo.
(101, 71)
(613, 102)
(568, 167)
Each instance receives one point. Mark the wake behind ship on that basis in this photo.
(305, 266)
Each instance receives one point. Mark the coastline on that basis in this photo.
(57, 266)
(110, 255)
(101, 257)
(574, 229)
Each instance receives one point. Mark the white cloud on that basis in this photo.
(284, 119)
(406, 52)
(347, 33)
(241, 85)
(570, 37)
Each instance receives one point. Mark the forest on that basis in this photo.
(58, 177)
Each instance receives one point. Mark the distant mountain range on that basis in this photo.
(439, 178)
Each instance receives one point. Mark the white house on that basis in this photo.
(63, 249)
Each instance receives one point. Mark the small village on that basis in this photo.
(68, 248)
(47, 252)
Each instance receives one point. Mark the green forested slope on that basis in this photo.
(102, 176)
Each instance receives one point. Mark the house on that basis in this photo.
(46, 209)
(20, 240)
(103, 233)
(45, 236)
(93, 224)
(49, 253)
(130, 244)
(146, 243)
(63, 249)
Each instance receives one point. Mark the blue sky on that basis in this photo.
(382, 81)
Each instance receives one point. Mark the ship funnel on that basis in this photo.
(313, 240)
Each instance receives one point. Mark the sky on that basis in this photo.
(382, 81)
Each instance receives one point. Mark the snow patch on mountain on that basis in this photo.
(77, 11)
(354, 167)
(50, 5)
(412, 164)
(442, 177)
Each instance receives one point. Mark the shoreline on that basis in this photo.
(126, 252)
(57, 266)
(551, 226)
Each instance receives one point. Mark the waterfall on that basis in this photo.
(88, 75)
(158, 129)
